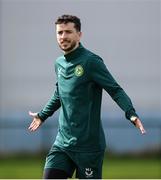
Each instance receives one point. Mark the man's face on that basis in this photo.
(67, 36)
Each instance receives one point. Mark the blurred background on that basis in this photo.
(126, 34)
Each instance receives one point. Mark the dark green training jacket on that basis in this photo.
(81, 77)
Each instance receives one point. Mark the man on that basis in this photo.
(81, 76)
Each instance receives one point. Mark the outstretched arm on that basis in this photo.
(52, 105)
(103, 78)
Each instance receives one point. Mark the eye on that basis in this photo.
(60, 32)
(68, 31)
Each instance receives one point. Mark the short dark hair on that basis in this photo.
(64, 19)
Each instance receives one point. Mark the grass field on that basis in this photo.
(114, 167)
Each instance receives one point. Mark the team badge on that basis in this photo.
(78, 70)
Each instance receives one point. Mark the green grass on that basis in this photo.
(21, 167)
(28, 167)
(131, 168)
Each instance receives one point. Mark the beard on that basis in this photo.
(67, 45)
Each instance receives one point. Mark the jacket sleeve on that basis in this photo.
(52, 105)
(104, 79)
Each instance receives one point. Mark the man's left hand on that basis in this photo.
(139, 125)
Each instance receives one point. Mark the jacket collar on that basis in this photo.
(74, 54)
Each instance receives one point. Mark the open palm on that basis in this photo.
(36, 122)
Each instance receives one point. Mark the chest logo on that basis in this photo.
(79, 70)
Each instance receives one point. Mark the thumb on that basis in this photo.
(32, 114)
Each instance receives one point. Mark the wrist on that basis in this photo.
(39, 116)
(133, 118)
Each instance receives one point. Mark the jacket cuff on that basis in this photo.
(42, 116)
(131, 113)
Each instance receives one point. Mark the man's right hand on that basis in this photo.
(36, 122)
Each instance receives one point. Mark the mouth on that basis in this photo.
(64, 42)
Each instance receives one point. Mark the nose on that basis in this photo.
(63, 35)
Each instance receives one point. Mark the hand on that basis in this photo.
(35, 124)
(139, 125)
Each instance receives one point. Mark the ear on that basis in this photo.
(80, 34)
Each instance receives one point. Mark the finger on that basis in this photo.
(34, 125)
(143, 131)
(31, 125)
(32, 128)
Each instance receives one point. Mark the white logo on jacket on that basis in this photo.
(59, 71)
(88, 172)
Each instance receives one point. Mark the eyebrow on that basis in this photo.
(60, 31)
